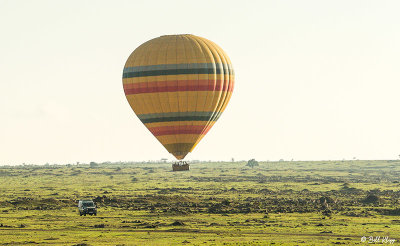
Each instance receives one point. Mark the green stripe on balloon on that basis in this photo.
(175, 72)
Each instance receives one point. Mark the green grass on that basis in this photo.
(276, 203)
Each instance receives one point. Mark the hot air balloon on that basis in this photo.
(178, 86)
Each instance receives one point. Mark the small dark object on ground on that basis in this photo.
(178, 223)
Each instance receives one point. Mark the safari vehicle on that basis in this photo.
(87, 207)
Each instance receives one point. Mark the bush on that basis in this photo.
(93, 164)
(252, 163)
(371, 199)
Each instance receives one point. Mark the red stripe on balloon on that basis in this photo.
(180, 85)
(175, 130)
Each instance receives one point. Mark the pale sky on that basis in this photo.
(315, 80)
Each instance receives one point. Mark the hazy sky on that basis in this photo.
(314, 79)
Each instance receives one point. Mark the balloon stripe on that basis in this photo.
(175, 129)
(174, 72)
(172, 127)
(161, 83)
(176, 66)
(178, 118)
(175, 114)
(173, 88)
(180, 77)
(173, 123)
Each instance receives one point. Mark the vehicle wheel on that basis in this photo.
(80, 214)
(84, 214)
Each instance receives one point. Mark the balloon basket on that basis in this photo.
(180, 166)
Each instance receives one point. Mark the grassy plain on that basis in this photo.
(276, 203)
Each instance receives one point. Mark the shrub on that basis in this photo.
(252, 163)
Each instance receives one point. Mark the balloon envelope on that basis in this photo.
(178, 86)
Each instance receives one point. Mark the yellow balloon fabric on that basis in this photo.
(178, 86)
